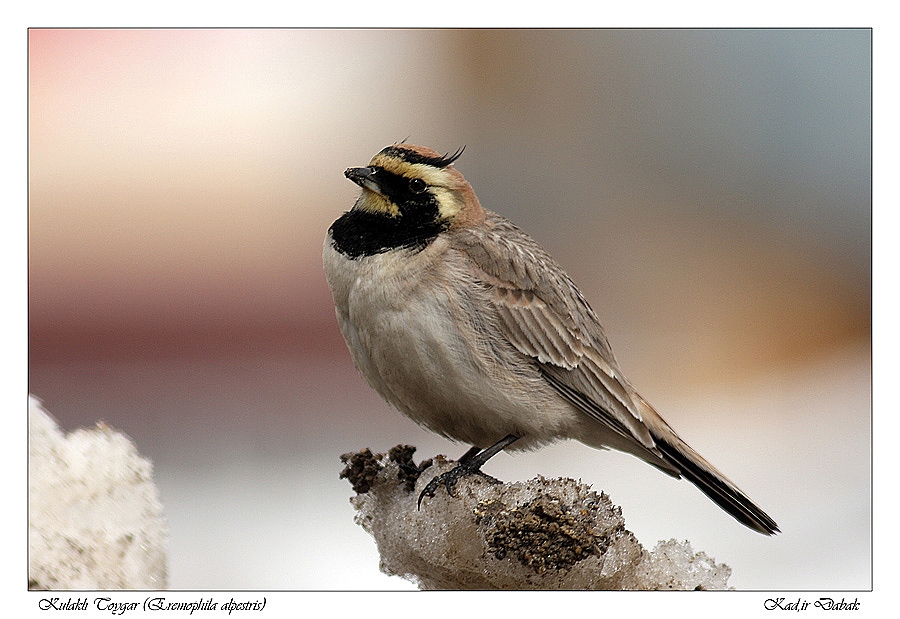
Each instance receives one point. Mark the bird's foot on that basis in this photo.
(470, 464)
(449, 479)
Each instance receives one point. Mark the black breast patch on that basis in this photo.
(361, 233)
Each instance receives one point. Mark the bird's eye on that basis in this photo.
(417, 185)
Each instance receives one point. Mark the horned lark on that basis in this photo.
(465, 324)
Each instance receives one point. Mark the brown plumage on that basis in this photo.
(464, 323)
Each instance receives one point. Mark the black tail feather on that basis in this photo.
(725, 494)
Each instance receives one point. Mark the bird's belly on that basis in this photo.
(426, 354)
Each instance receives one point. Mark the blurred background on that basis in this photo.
(709, 191)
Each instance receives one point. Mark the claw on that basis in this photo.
(470, 464)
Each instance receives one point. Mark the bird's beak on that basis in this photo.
(365, 178)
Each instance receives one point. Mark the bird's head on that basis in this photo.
(416, 185)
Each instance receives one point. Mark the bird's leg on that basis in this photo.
(469, 454)
(470, 464)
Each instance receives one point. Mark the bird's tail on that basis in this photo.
(715, 485)
(705, 476)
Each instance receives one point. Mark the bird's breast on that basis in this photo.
(405, 321)
(422, 332)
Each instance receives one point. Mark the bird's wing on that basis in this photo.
(544, 316)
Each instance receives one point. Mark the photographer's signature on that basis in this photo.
(822, 603)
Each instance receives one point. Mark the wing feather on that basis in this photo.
(544, 316)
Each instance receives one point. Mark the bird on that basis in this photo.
(466, 325)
